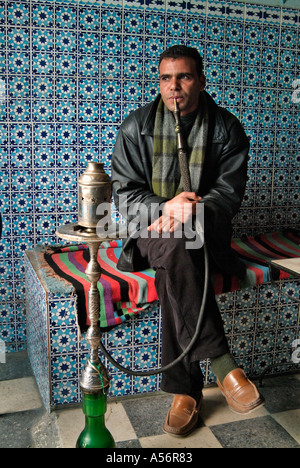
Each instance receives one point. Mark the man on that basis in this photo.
(146, 173)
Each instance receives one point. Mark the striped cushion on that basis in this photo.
(125, 294)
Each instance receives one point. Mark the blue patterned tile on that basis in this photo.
(111, 44)
(253, 34)
(242, 345)
(133, 22)
(63, 392)
(288, 316)
(45, 223)
(42, 63)
(42, 111)
(146, 331)
(88, 43)
(215, 52)
(89, 18)
(215, 31)
(6, 312)
(234, 55)
(18, 13)
(62, 113)
(66, 64)
(133, 68)
(155, 24)
(111, 68)
(18, 39)
(285, 338)
(271, 36)
(154, 47)
(42, 14)
(43, 87)
(145, 384)
(22, 203)
(66, 41)
(288, 38)
(121, 384)
(267, 318)
(6, 271)
(18, 62)
(145, 357)
(89, 154)
(110, 112)
(62, 341)
(286, 77)
(264, 341)
(21, 180)
(176, 25)
(66, 201)
(234, 32)
(291, 289)
(44, 202)
(111, 20)
(288, 59)
(43, 40)
(120, 336)
(66, 16)
(251, 77)
(65, 111)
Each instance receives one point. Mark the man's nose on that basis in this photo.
(174, 84)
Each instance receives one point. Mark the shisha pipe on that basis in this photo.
(94, 188)
(181, 150)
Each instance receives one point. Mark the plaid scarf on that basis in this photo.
(166, 177)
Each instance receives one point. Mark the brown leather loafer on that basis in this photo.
(182, 417)
(241, 394)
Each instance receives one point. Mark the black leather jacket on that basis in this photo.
(222, 184)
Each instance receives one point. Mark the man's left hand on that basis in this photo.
(176, 212)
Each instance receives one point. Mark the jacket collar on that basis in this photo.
(214, 115)
(148, 127)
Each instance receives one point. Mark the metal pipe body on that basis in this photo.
(182, 151)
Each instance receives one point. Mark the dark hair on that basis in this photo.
(179, 51)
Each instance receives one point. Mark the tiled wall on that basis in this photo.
(71, 71)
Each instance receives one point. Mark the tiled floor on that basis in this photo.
(138, 422)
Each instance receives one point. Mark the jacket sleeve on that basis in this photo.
(224, 197)
(228, 184)
(131, 175)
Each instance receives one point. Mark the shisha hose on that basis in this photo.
(189, 347)
(184, 169)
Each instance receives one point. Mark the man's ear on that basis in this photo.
(202, 82)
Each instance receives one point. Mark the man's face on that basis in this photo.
(179, 79)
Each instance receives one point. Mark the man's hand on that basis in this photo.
(176, 212)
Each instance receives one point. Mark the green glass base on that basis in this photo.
(95, 434)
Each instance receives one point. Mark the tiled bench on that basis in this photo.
(260, 324)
